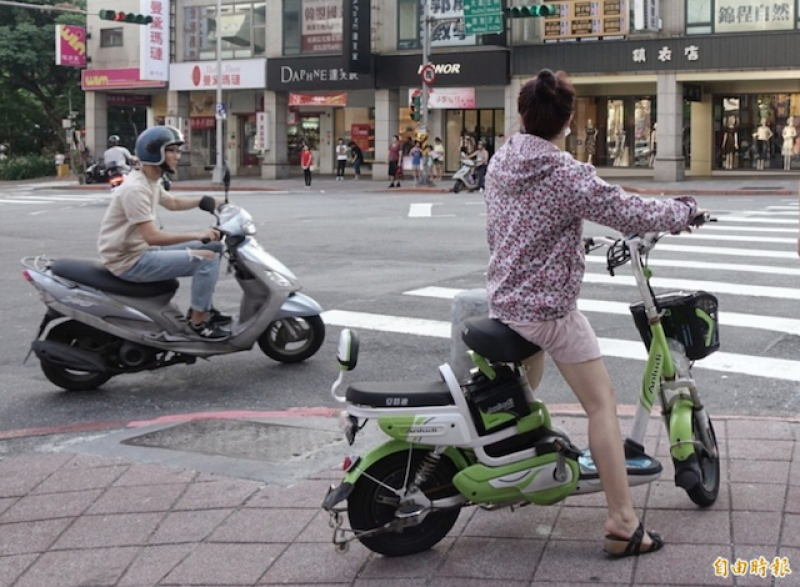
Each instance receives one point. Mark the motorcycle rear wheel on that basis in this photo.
(371, 505)
(292, 340)
(89, 178)
(78, 335)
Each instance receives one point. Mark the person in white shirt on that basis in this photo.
(341, 159)
(117, 156)
(438, 159)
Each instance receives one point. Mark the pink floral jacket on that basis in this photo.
(537, 197)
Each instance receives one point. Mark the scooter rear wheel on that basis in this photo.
(78, 335)
(292, 340)
(371, 504)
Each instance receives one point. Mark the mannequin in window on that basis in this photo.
(762, 136)
(789, 133)
(590, 141)
(620, 148)
(730, 142)
(653, 143)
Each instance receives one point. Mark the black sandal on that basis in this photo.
(619, 547)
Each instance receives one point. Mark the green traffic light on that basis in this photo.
(531, 11)
(108, 15)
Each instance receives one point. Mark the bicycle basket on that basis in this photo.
(690, 318)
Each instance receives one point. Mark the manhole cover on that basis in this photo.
(237, 439)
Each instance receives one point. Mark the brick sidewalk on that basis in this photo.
(71, 519)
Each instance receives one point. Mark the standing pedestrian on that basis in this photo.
(394, 161)
(438, 159)
(357, 157)
(416, 160)
(307, 163)
(481, 156)
(341, 160)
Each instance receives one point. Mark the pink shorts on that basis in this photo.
(570, 339)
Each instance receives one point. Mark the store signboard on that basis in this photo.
(739, 16)
(70, 45)
(154, 41)
(203, 122)
(585, 20)
(448, 98)
(315, 74)
(358, 36)
(359, 133)
(108, 79)
(237, 74)
(321, 26)
(317, 100)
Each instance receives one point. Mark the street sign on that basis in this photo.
(483, 17)
(221, 114)
(428, 74)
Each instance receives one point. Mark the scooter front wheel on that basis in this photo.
(372, 504)
(292, 340)
(457, 188)
(78, 335)
(704, 492)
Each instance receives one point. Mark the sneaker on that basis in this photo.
(209, 330)
(215, 317)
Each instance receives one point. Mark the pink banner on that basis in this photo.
(318, 100)
(70, 45)
(112, 79)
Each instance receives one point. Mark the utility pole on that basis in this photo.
(426, 51)
(219, 167)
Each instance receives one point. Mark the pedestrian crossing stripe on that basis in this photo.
(727, 363)
(738, 267)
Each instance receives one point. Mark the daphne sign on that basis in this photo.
(70, 45)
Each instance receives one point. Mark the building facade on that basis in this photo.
(693, 87)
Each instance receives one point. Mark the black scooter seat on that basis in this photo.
(495, 341)
(378, 394)
(94, 274)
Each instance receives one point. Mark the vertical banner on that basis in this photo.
(70, 45)
(357, 36)
(154, 41)
(262, 131)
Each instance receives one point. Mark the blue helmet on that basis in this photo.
(151, 144)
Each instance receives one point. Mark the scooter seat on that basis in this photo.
(377, 394)
(94, 274)
(495, 341)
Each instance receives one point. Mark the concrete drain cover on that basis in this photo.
(240, 439)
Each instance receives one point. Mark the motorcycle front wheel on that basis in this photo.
(458, 186)
(89, 178)
(292, 340)
(81, 336)
(372, 504)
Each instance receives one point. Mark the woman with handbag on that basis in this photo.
(307, 163)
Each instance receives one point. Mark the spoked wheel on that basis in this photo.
(704, 493)
(292, 340)
(372, 504)
(81, 336)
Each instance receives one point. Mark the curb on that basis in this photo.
(710, 192)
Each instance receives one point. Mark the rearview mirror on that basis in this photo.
(208, 203)
(347, 352)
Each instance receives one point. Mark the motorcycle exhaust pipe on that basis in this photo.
(134, 355)
(68, 357)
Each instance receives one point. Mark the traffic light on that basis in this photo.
(416, 107)
(128, 17)
(531, 11)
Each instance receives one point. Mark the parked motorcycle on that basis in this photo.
(98, 326)
(465, 177)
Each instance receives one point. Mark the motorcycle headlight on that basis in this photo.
(278, 278)
(249, 228)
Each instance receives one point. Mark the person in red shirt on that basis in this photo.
(394, 161)
(307, 163)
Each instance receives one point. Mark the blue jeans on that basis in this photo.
(180, 261)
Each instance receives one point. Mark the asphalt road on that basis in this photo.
(363, 254)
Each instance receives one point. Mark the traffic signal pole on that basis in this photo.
(426, 51)
(219, 167)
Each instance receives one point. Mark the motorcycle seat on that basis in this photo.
(495, 341)
(378, 394)
(94, 274)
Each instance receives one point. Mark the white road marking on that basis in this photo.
(765, 269)
(749, 229)
(734, 237)
(729, 252)
(420, 211)
(752, 220)
(722, 362)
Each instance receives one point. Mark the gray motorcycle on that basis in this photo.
(98, 326)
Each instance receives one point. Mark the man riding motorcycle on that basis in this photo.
(117, 156)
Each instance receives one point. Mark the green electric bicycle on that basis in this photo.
(487, 442)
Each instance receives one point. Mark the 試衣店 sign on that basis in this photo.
(448, 98)
(239, 74)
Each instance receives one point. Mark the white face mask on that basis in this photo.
(567, 132)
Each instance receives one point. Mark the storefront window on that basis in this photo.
(447, 29)
(757, 131)
(312, 26)
(464, 128)
(243, 31)
(302, 128)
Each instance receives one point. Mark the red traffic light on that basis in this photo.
(119, 17)
(128, 17)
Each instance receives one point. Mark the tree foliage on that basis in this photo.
(34, 91)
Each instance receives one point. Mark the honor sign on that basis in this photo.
(738, 16)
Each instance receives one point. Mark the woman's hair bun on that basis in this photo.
(546, 84)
